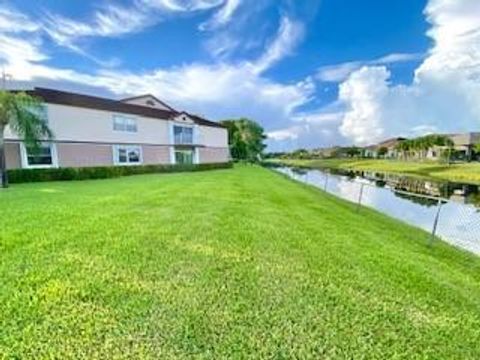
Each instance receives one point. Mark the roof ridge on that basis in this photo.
(101, 103)
(145, 95)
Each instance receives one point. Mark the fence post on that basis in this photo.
(360, 197)
(435, 222)
(326, 182)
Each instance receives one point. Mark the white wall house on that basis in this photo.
(94, 131)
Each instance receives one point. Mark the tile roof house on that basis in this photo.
(95, 131)
(390, 145)
(463, 144)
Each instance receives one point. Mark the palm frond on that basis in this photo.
(28, 119)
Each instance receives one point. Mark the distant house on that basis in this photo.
(95, 131)
(463, 146)
(390, 145)
(326, 152)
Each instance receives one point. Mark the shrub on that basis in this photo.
(102, 172)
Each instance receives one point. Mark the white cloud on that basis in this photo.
(290, 133)
(223, 16)
(181, 5)
(445, 94)
(113, 20)
(12, 21)
(313, 128)
(14, 48)
(218, 90)
(319, 118)
(364, 93)
(289, 34)
(110, 21)
(340, 72)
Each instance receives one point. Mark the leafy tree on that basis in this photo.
(476, 150)
(403, 147)
(246, 139)
(382, 151)
(301, 154)
(25, 116)
(353, 151)
(418, 147)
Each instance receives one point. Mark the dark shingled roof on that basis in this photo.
(93, 102)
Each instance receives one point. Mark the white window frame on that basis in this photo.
(195, 155)
(183, 126)
(53, 153)
(115, 152)
(125, 118)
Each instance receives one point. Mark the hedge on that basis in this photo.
(16, 176)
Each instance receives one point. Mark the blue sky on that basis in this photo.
(313, 72)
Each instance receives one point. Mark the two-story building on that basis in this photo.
(95, 131)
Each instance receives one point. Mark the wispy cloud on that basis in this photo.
(222, 16)
(19, 41)
(112, 20)
(288, 36)
(182, 5)
(12, 21)
(217, 90)
(340, 72)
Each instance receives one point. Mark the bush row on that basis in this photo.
(103, 172)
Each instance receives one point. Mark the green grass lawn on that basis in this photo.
(239, 263)
(466, 172)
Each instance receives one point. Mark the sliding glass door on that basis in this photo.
(184, 156)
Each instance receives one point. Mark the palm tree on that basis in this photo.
(24, 115)
(445, 142)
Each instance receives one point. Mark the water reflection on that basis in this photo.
(395, 196)
(458, 192)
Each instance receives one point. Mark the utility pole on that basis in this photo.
(5, 78)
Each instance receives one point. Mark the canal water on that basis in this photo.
(414, 201)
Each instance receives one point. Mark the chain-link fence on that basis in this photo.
(454, 219)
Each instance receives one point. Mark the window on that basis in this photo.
(42, 157)
(124, 123)
(183, 135)
(183, 156)
(127, 155)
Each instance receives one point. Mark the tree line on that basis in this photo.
(419, 147)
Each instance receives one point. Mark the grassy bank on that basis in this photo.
(239, 263)
(468, 172)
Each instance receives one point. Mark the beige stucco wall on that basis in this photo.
(155, 154)
(89, 154)
(213, 155)
(12, 155)
(70, 123)
(84, 155)
(213, 136)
